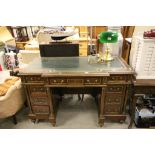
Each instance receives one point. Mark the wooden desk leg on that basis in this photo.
(52, 120)
(101, 120)
(101, 108)
(133, 108)
(52, 117)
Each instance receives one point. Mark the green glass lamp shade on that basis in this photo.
(108, 37)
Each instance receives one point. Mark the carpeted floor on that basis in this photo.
(72, 114)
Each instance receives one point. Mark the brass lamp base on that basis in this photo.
(106, 56)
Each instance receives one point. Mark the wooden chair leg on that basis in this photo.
(79, 97)
(82, 97)
(14, 119)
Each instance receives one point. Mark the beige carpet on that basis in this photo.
(72, 114)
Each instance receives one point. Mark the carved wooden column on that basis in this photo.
(101, 109)
(52, 117)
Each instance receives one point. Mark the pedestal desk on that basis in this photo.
(45, 77)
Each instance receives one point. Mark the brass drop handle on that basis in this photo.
(95, 80)
(88, 80)
(55, 81)
(62, 81)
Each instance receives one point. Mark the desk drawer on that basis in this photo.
(37, 91)
(34, 79)
(58, 81)
(113, 104)
(91, 81)
(40, 109)
(83, 44)
(113, 99)
(115, 89)
(39, 101)
(83, 51)
(83, 34)
(75, 81)
(113, 109)
(116, 78)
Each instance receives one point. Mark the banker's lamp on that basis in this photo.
(107, 37)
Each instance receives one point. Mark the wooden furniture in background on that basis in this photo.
(126, 49)
(45, 77)
(99, 29)
(83, 40)
(20, 33)
(127, 32)
(21, 44)
(83, 46)
(83, 31)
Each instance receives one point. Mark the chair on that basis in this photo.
(12, 101)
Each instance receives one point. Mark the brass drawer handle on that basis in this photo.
(96, 81)
(62, 81)
(88, 80)
(54, 81)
